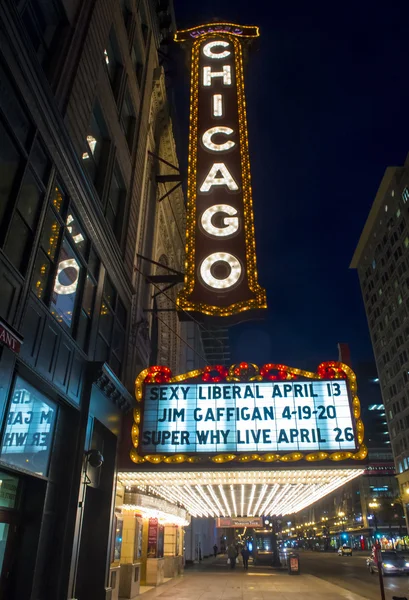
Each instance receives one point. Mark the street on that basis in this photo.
(352, 574)
(349, 573)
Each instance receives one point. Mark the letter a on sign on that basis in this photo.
(221, 278)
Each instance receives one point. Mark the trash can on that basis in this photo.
(293, 563)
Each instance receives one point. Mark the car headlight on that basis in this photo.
(388, 565)
(407, 564)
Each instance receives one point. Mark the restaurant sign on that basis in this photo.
(9, 338)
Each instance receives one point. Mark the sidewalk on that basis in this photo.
(221, 584)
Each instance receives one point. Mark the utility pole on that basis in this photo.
(378, 556)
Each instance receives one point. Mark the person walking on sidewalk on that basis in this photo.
(245, 554)
(215, 549)
(232, 555)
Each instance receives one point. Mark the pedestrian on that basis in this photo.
(232, 555)
(245, 554)
(215, 549)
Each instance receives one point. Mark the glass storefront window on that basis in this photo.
(118, 538)
(28, 437)
(8, 490)
(4, 531)
(137, 550)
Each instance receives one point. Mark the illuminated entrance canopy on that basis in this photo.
(244, 493)
(221, 275)
(246, 413)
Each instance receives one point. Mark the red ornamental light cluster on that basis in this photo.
(158, 374)
(245, 371)
(241, 369)
(209, 374)
(272, 372)
(331, 371)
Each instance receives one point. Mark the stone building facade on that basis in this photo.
(83, 109)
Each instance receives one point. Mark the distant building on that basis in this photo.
(368, 507)
(382, 261)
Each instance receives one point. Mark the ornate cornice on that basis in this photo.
(113, 389)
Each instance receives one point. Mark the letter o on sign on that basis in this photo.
(228, 262)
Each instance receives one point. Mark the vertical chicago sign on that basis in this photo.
(221, 274)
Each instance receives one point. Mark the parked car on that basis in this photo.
(345, 551)
(393, 563)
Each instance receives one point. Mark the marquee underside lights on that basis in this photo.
(246, 413)
(241, 493)
(219, 175)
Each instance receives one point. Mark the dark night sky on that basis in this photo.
(328, 110)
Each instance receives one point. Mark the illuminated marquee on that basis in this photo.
(221, 275)
(246, 413)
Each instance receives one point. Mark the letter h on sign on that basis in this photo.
(221, 274)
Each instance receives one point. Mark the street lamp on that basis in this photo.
(374, 504)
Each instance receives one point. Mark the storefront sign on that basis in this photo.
(229, 522)
(238, 417)
(9, 339)
(221, 274)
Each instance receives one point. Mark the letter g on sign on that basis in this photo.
(229, 225)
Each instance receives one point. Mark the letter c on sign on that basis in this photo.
(233, 265)
(208, 49)
(210, 145)
(230, 223)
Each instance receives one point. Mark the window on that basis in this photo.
(111, 330)
(21, 232)
(144, 21)
(137, 61)
(115, 203)
(44, 22)
(10, 163)
(126, 10)
(28, 437)
(95, 156)
(113, 62)
(14, 111)
(128, 120)
(95, 159)
(66, 268)
(65, 285)
(49, 242)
